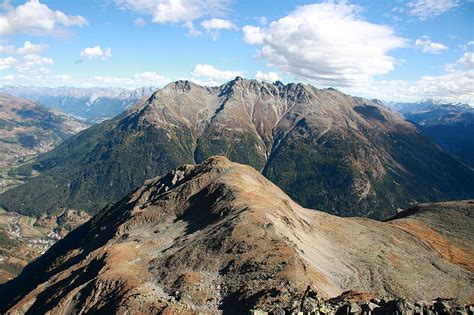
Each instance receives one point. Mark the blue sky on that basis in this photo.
(394, 50)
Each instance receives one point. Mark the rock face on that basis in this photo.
(330, 151)
(219, 236)
(27, 128)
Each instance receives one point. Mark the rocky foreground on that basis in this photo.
(364, 303)
(219, 237)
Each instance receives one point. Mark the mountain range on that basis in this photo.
(449, 125)
(344, 155)
(219, 237)
(92, 104)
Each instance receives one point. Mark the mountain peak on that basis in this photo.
(183, 85)
(238, 78)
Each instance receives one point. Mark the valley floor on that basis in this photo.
(24, 238)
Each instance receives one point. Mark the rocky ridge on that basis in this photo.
(219, 237)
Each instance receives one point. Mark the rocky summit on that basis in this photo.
(345, 155)
(219, 237)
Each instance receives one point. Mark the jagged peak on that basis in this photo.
(228, 87)
(184, 85)
(187, 171)
(238, 78)
(278, 83)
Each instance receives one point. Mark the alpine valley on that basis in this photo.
(27, 129)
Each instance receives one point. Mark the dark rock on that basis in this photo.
(441, 307)
(368, 308)
(396, 307)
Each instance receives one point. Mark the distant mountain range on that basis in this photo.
(92, 104)
(219, 237)
(344, 155)
(27, 129)
(450, 125)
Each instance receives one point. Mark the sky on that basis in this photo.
(391, 50)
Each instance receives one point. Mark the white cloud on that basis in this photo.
(456, 85)
(96, 52)
(33, 60)
(137, 80)
(430, 47)
(203, 70)
(206, 82)
(218, 24)
(7, 49)
(452, 87)
(9, 77)
(28, 48)
(63, 76)
(150, 79)
(327, 44)
(253, 34)
(34, 17)
(465, 47)
(263, 20)
(139, 22)
(142, 79)
(426, 9)
(191, 30)
(7, 62)
(213, 26)
(29, 63)
(467, 60)
(48, 79)
(38, 79)
(175, 11)
(267, 77)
